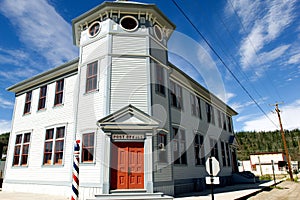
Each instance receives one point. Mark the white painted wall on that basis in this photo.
(21, 178)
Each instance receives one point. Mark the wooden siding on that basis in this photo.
(94, 50)
(191, 124)
(36, 123)
(128, 45)
(129, 83)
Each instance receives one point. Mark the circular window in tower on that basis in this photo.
(158, 32)
(94, 29)
(129, 23)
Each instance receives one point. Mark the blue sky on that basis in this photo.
(259, 41)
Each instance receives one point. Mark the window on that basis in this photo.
(54, 146)
(21, 149)
(224, 122)
(160, 79)
(228, 154)
(196, 106)
(219, 119)
(27, 102)
(199, 149)
(158, 32)
(179, 148)
(87, 147)
(59, 90)
(161, 145)
(91, 77)
(210, 113)
(94, 29)
(223, 153)
(129, 23)
(229, 124)
(176, 95)
(42, 99)
(214, 148)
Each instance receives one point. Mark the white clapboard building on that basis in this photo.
(143, 124)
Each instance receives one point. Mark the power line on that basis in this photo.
(222, 61)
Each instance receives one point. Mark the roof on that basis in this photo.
(68, 67)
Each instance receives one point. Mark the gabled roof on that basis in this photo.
(44, 77)
(128, 118)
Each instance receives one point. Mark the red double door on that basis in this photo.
(127, 166)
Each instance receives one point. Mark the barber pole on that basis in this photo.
(75, 182)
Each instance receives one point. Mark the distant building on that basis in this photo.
(261, 163)
(144, 125)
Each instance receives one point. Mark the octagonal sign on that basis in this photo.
(215, 168)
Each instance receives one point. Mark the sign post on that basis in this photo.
(212, 168)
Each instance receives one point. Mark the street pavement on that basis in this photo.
(224, 193)
(286, 190)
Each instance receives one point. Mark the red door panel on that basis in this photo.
(127, 167)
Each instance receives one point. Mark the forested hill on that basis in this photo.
(256, 142)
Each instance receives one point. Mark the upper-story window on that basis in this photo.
(42, 99)
(210, 113)
(88, 148)
(220, 119)
(176, 95)
(160, 79)
(54, 146)
(27, 105)
(158, 32)
(59, 91)
(94, 29)
(179, 146)
(224, 121)
(229, 124)
(91, 76)
(129, 23)
(21, 149)
(196, 106)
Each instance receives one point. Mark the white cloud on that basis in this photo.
(5, 126)
(5, 104)
(295, 59)
(41, 29)
(289, 118)
(265, 20)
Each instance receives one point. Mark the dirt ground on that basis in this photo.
(286, 190)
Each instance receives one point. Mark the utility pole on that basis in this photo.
(284, 143)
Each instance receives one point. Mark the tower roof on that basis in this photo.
(118, 7)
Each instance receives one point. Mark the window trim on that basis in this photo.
(132, 17)
(59, 92)
(182, 156)
(42, 99)
(27, 103)
(196, 105)
(176, 95)
(214, 148)
(201, 149)
(160, 79)
(21, 146)
(91, 77)
(162, 152)
(82, 147)
(54, 140)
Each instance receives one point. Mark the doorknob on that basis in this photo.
(129, 171)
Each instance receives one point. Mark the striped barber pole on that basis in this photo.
(75, 182)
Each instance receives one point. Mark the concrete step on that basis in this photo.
(125, 195)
